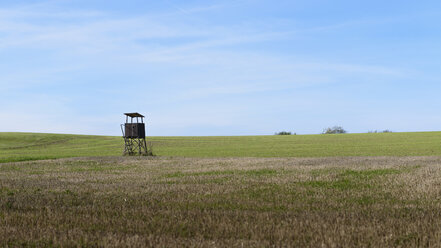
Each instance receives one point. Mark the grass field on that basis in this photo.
(27, 146)
(351, 190)
(222, 202)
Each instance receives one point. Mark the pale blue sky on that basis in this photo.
(245, 67)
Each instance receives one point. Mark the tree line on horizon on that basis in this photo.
(332, 130)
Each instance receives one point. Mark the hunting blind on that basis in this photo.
(134, 134)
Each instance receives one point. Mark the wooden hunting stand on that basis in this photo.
(134, 135)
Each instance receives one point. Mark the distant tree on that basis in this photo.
(333, 130)
(384, 131)
(284, 133)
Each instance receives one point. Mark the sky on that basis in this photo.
(243, 67)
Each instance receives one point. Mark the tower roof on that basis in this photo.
(136, 114)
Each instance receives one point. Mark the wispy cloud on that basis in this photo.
(193, 10)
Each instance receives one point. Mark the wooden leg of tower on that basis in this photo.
(130, 147)
(135, 146)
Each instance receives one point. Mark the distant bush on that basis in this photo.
(284, 133)
(333, 130)
(384, 131)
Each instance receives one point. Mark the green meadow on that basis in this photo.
(343, 190)
(37, 146)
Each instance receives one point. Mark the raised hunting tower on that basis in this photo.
(134, 134)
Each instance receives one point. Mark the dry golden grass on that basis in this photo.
(228, 202)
